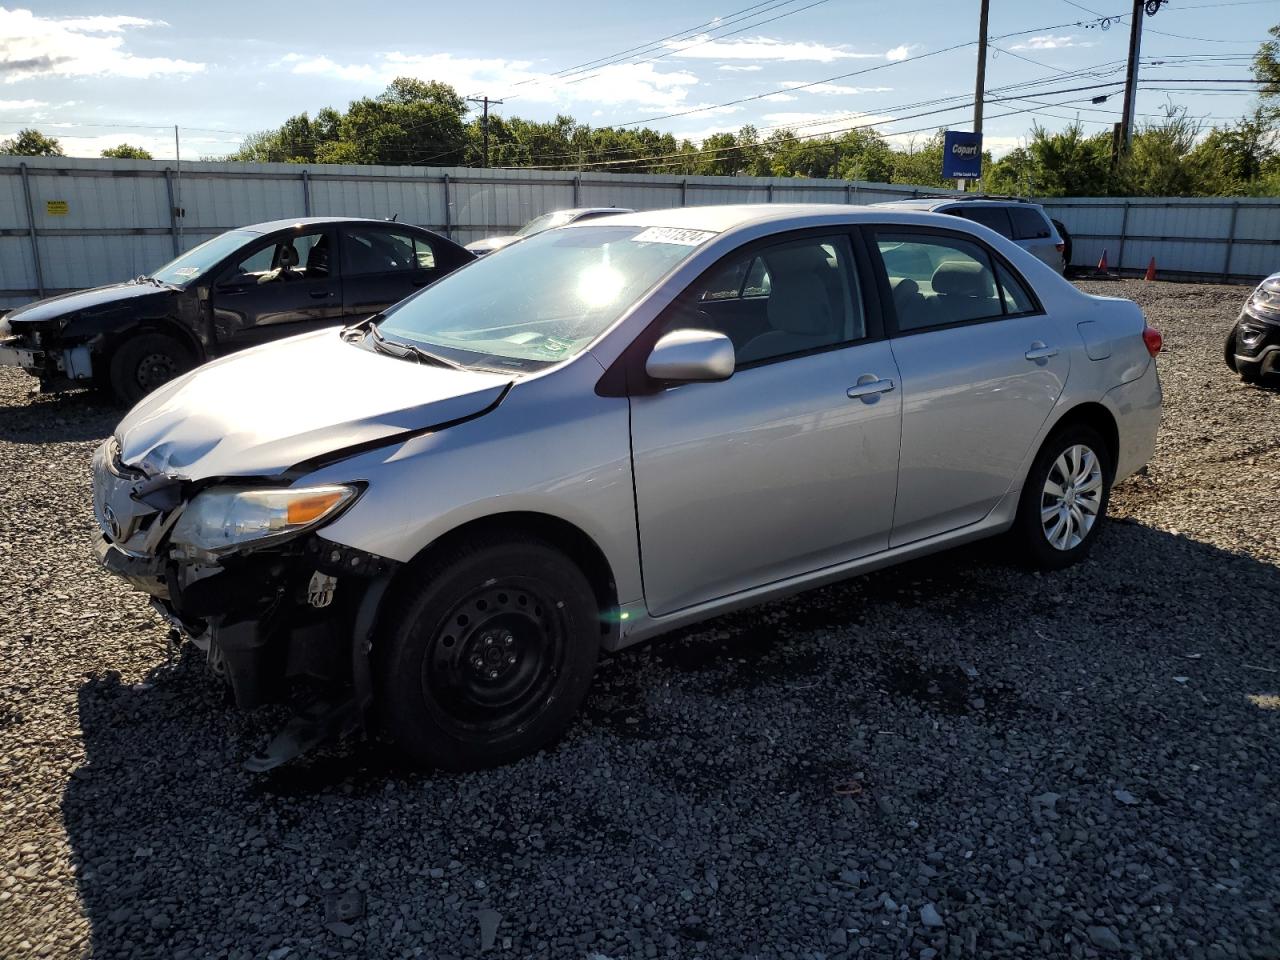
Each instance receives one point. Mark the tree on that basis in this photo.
(1266, 67)
(127, 151)
(31, 143)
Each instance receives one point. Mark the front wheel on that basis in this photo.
(1064, 499)
(488, 655)
(144, 362)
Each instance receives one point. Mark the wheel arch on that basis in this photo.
(152, 324)
(565, 536)
(1097, 417)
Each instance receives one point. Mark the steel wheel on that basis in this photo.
(495, 658)
(1071, 498)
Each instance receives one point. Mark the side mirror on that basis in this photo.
(689, 355)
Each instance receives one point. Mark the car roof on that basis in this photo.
(270, 226)
(933, 203)
(720, 219)
(579, 211)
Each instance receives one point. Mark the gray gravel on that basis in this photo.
(952, 759)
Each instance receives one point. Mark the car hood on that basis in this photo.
(95, 300)
(260, 412)
(490, 244)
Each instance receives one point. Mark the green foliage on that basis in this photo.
(426, 122)
(31, 143)
(127, 151)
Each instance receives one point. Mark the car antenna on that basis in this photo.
(392, 218)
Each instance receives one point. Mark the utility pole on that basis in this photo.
(485, 124)
(177, 157)
(980, 86)
(1125, 137)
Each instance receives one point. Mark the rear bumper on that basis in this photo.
(1136, 406)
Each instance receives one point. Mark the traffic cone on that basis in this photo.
(1151, 270)
(1102, 262)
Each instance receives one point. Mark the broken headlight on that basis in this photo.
(1266, 299)
(226, 518)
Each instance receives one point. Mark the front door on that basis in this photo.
(382, 266)
(284, 285)
(791, 464)
(982, 366)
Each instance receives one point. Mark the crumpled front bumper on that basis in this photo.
(305, 607)
(57, 367)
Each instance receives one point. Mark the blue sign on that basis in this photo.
(961, 155)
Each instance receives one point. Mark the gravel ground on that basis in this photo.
(955, 758)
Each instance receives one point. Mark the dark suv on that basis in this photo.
(1253, 345)
(241, 288)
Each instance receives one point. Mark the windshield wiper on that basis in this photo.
(143, 279)
(403, 351)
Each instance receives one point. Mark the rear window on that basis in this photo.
(1029, 224)
(997, 218)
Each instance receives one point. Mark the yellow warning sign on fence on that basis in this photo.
(57, 208)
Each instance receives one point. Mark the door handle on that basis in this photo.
(320, 294)
(868, 388)
(1039, 352)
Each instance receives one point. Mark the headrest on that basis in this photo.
(903, 287)
(799, 299)
(963, 278)
(288, 256)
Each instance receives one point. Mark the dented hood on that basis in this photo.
(259, 412)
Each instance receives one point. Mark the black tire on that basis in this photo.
(144, 362)
(1031, 533)
(488, 655)
(1229, 349)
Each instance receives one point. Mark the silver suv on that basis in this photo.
(611, 430)
(1022, 221)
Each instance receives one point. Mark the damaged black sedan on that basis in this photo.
(241, 288)
(1253, 345)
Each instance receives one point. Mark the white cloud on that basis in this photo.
(21, 104)
(830, 89)
(159, 145)
(639, 84)
(36, 46)
(1050, 42)
(900, 52)
(747, 68)
(761, 48)
(779, 98)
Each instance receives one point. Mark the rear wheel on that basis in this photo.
(1064, 499)
(488, 657)
(146, 361)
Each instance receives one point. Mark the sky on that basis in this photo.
(98, 74)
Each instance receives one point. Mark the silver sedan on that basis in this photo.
(614, 429)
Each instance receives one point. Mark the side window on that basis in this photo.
(368, 251)
(780, 300)
(1029, 224)
(997, 218)
(937, 281)
(1016, 297)
(304, 257)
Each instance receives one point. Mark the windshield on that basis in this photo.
(544, 299)
(545, 222)
(199, 260)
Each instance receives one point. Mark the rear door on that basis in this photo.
(788, 466)
(982, 366)
(383, 265)
(277, 287)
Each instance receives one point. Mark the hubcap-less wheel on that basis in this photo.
(494, 659)
(1071, 498)
(154, 370)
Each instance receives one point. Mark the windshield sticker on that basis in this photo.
(685, 238)
(187, 271)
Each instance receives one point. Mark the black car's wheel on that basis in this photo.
(144, 362)
(1229, 349)
(1064, 499)
(488, 655)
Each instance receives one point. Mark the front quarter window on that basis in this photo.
(545, 299)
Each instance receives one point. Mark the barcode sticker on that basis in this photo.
(685, 238)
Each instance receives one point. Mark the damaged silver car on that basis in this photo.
(446, 511)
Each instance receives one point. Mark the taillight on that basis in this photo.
(1060, 247)
(1151, 337)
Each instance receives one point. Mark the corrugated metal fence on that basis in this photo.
(67, 224)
